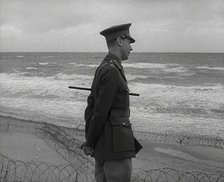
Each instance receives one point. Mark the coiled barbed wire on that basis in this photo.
(174, 175)
(16, 170)
(67, 145)
(81, 168)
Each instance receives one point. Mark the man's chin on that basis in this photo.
(125, 58)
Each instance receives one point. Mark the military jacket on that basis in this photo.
(108, 128)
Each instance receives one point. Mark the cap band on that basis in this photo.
(115, 35)
(117, 31)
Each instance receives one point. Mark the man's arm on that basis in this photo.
(89, 111)
(107, 89)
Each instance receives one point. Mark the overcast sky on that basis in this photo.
(74, 25)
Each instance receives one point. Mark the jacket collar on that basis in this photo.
(117, 62)
(115, 59)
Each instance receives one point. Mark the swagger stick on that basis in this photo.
(89, 89)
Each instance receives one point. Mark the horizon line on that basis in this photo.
(105, 52)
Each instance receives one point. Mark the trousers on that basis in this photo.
(113, 171)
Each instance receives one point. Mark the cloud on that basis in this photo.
(35, 16)
(74, 25)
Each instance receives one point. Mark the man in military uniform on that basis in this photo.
(109, 136)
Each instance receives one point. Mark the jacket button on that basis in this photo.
(123, 123)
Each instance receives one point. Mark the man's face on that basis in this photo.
(126, 49)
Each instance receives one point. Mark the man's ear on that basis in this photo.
(119, 41)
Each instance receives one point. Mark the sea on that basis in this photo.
(179, 92)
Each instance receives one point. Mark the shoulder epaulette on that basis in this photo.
(100, 67)
(111, 62)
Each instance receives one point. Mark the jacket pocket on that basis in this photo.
(122, 135)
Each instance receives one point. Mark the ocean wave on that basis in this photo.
(147, 65)
(145, 87)
(135, 77)
(209, 97)
(84, 65)
(169, 106)
(31, 68)
(172, 77)
(152, 79)
(192, 100)
(43, 63)
(14, 84)
(211, 68)
(184, 123)
(48, 56)
(178, 69)
(83, 78)
(59, 112)
(169, 67)
(155, 67)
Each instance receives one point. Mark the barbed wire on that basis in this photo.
(17, 170)
(174, 175)
(80, 168)
(67, 145)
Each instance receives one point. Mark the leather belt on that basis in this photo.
(120, 113)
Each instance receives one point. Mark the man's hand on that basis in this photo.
(87, 150)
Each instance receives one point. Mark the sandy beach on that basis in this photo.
(27, 147)
(24, 141)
